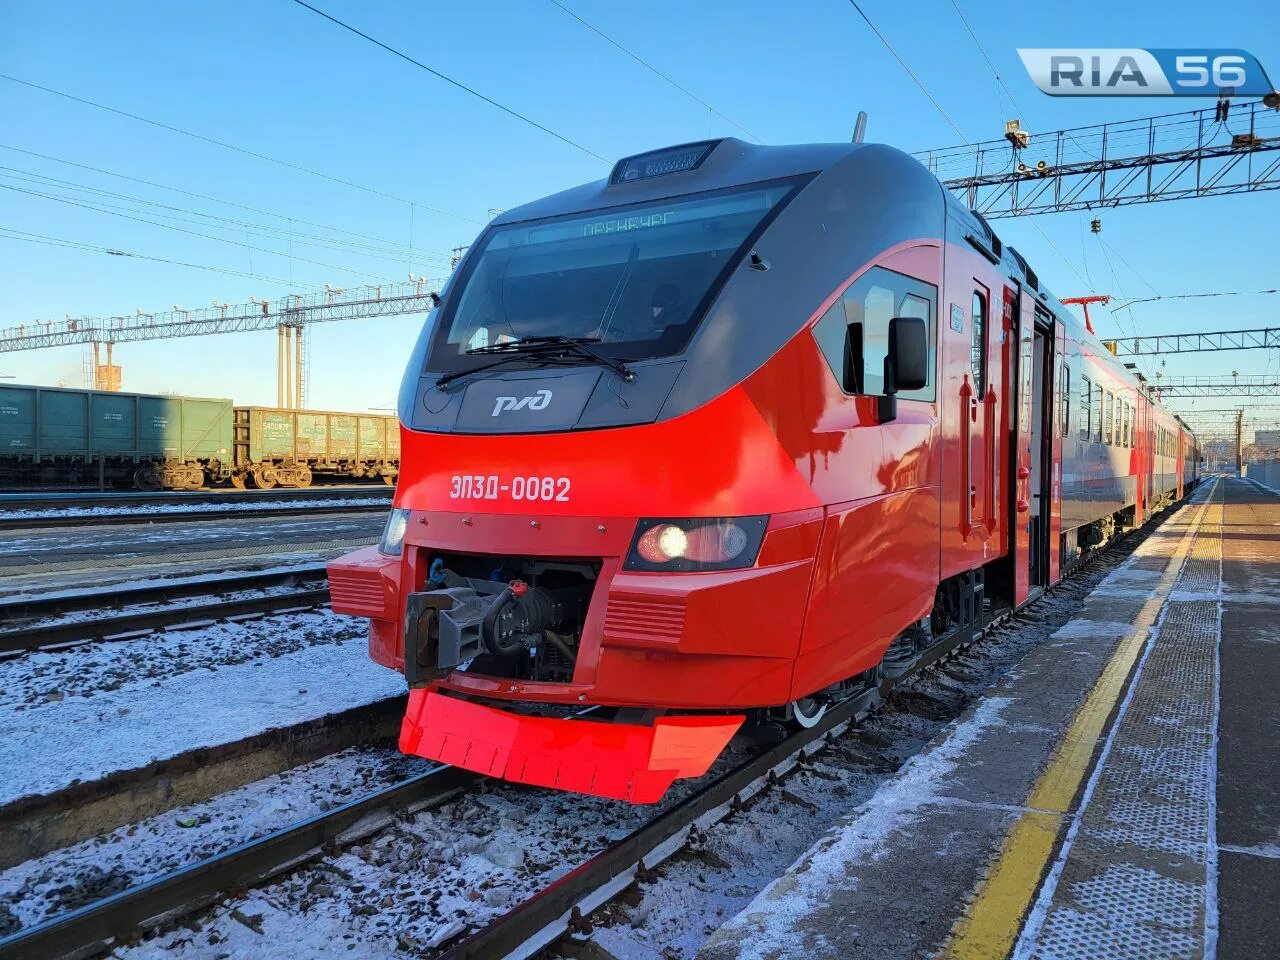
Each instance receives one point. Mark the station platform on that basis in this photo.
(1116, 796)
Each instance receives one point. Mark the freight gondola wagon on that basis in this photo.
(288, 448)
(56, 435)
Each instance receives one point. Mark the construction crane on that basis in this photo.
(1170, 157)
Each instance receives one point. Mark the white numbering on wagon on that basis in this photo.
(467, 486)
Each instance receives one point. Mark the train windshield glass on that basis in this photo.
(637, 279)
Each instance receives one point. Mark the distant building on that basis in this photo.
(1267, 438)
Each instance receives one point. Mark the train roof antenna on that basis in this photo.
(860, 127)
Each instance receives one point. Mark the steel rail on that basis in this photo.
(122, 917)
(179, 516)
(128, 626)
(40, 499)
(521, 932)
(565, 904)
(31, 606)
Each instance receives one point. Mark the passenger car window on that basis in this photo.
(876, 311)
(1065, 406)
(1108, 418)
(1097, 414)
(1085, 396)
(979, 345)
(853, 334)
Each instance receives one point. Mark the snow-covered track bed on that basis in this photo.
(51, 622)
(116, 919)
(36, 824)
(453, 868)
(56, 499)
(533, 924)
(104, 516)
(26, 607)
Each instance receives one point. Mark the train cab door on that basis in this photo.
(1036, 484)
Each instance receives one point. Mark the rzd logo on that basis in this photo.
(535, 401)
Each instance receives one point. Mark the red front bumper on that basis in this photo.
(620, 761)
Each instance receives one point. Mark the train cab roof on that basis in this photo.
(698, 167)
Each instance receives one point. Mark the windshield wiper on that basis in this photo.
(554, 350)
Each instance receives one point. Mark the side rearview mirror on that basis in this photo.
(906, 365)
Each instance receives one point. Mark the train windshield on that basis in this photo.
(636, 279)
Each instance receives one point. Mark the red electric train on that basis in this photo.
(737, 428)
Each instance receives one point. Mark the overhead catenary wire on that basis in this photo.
(168, 226)
(902, 63)
(235, 147)
(450, 80)
(184, 215)
(982, 50)
(1195, 296)
(937, 106)
(650, 67)
(201, 196)
(11, 233)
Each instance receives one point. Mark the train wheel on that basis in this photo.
(302, 476)
(264, 476)
(237, 481)
(389, 480)
(193, 478)
(147, 477)
(807, 711)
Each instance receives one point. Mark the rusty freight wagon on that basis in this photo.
(288, 448)
(56, 435)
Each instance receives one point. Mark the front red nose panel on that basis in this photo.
(616, 760)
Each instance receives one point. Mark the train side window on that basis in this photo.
(1085, 414)
(979, 344)
(853, 334)
(1128, 425)
(1065, 406)
(1108, 418)
(1097, 414)
(836, 339)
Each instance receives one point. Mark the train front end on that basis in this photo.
(602, 543)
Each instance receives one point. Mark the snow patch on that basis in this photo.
(57, 743)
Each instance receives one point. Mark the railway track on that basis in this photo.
(40, 500)
(44, 522)
(26, 618)
(537, 922)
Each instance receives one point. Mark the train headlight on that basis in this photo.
(393, 533)
(711, 543)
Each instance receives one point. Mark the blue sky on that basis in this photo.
(273, 77)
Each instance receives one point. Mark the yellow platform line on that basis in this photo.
(990, 926)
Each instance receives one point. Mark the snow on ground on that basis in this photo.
(141, 573)
(432, 876)
(416, 884)
(149, 581)
(109, 608)
(697, 892)
(91, 669)
(143, 510)
(69, 878)
(64, 723)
